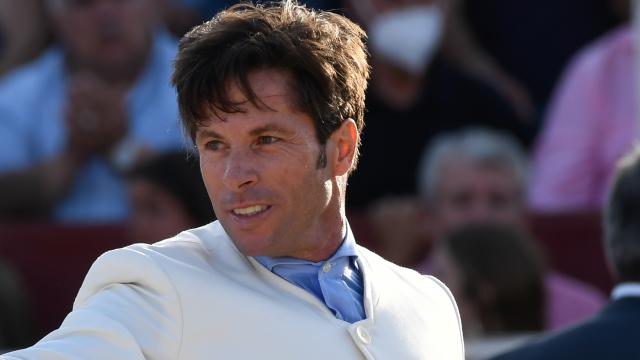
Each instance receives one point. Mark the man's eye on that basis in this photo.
(263, 140)
(214, 145)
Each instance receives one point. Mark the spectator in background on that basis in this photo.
(77, 116)
(496, 275)
(414, 96)
(474, 175)
(24, 32)
(614, 332)
(461, 47)
(593, 121)
(167, 197)
(479, 176)
(528, 40)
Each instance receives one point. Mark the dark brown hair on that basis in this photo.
(324, 52)
(502, 276)
(622, 219)
(178, 174)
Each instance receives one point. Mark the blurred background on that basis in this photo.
(492, 131)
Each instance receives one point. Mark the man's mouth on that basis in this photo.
(250, 210)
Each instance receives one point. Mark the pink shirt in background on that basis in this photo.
(570, 301)
(591, 123)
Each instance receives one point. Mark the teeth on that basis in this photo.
(250, 210)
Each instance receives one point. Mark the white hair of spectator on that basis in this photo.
(478, 146)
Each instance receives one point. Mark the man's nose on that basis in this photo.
(240, 171)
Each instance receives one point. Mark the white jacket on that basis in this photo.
(195, 296)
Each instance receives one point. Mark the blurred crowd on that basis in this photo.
(479, 114)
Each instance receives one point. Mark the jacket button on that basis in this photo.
(363, 334)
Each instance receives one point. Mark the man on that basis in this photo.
(476, 176)
(480, 176)
(613, 333)
(167, 196)
(81, 113)
(473, 175)
(415, 86)
(273, 97)
(589, 126)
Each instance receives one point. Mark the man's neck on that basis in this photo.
(334, 239)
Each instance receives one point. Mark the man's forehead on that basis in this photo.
(466, 173)
(264, 91)
(272, 92)
(265, 85)
(458, 162)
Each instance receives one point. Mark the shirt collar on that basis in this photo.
(625, 289)
(346, 249)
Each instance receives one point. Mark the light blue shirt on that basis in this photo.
(32, 128)
(337, 282)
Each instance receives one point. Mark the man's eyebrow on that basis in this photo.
(207, 133)
(271, 127)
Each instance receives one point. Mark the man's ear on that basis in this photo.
(345, 142)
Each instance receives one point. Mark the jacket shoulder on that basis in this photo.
(422, 296)
(606, 336)
(148, 265)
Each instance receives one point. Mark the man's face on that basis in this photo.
(105, 35)
(468, 193)
(260, 168)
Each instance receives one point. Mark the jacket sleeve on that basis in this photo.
(127, 308)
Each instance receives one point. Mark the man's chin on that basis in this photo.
(249, 249)
(251, 244)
